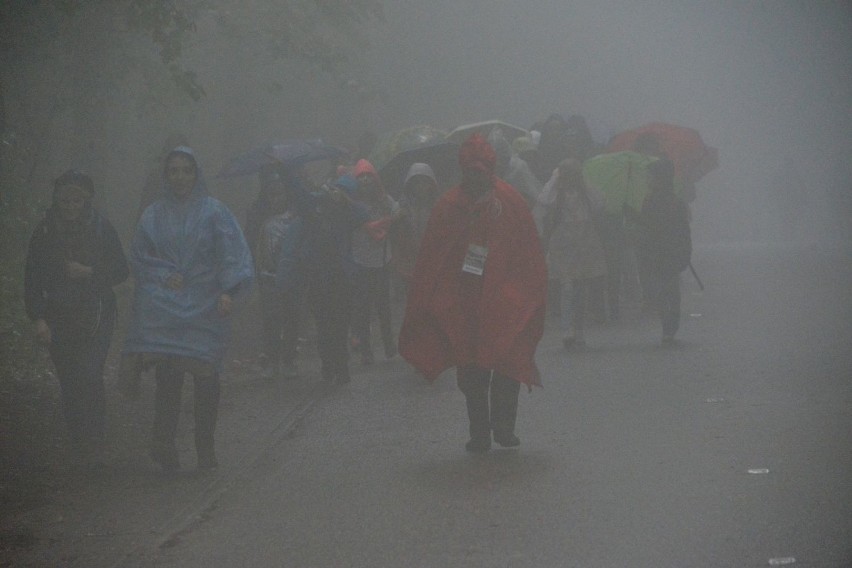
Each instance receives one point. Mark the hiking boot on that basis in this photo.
(478, 445)
(507, 440)
(390, 351)
(207, 462)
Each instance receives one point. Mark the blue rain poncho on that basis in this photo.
(202, 241)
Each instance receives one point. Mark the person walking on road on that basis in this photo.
(329, 216)
(190, 261)
(477, 297)
(278, 259)
(73, 262)
(419, 193)
(665, 244)
(575, 254)
(372, 255)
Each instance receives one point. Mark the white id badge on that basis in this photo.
(474, 260)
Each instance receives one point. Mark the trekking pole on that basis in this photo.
(697, 279)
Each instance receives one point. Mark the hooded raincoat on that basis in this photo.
(575, 250)
(412, 225)
(202, 241)
(493, 320)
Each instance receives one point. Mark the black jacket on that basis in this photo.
(666, 242)
(50, 294)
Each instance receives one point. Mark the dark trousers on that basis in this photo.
(170, 374)
(371, 288)
(664, 291)
(79, 360)
(574, 298)
(492, 401)
(281, 311)
(596, 294)
(330, 299)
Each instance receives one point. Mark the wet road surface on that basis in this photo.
(731, 449)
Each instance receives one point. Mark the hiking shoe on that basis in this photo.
(391, 351)
(207, 463)
(507, 440)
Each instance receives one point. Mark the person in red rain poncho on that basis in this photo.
(477, 296)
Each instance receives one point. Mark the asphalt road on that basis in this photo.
(730, 450)
(733, 449)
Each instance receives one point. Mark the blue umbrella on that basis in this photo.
(288, 152)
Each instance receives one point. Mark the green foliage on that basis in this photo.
(325, 33)
(187, 81)
(168, 24)
(18, 216)
(322, 33)
(165, 22)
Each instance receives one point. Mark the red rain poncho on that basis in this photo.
(494, 321)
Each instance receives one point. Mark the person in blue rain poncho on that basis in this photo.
(190, 260)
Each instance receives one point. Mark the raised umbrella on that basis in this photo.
(442, 157)
(621, 177)
(692, 158)
(461, 133)
(392, 143)
(295, 152)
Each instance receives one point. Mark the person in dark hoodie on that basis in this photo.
(665, 244)
(553, 147)
(73, 262)
(260, 209)
(329, 216)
